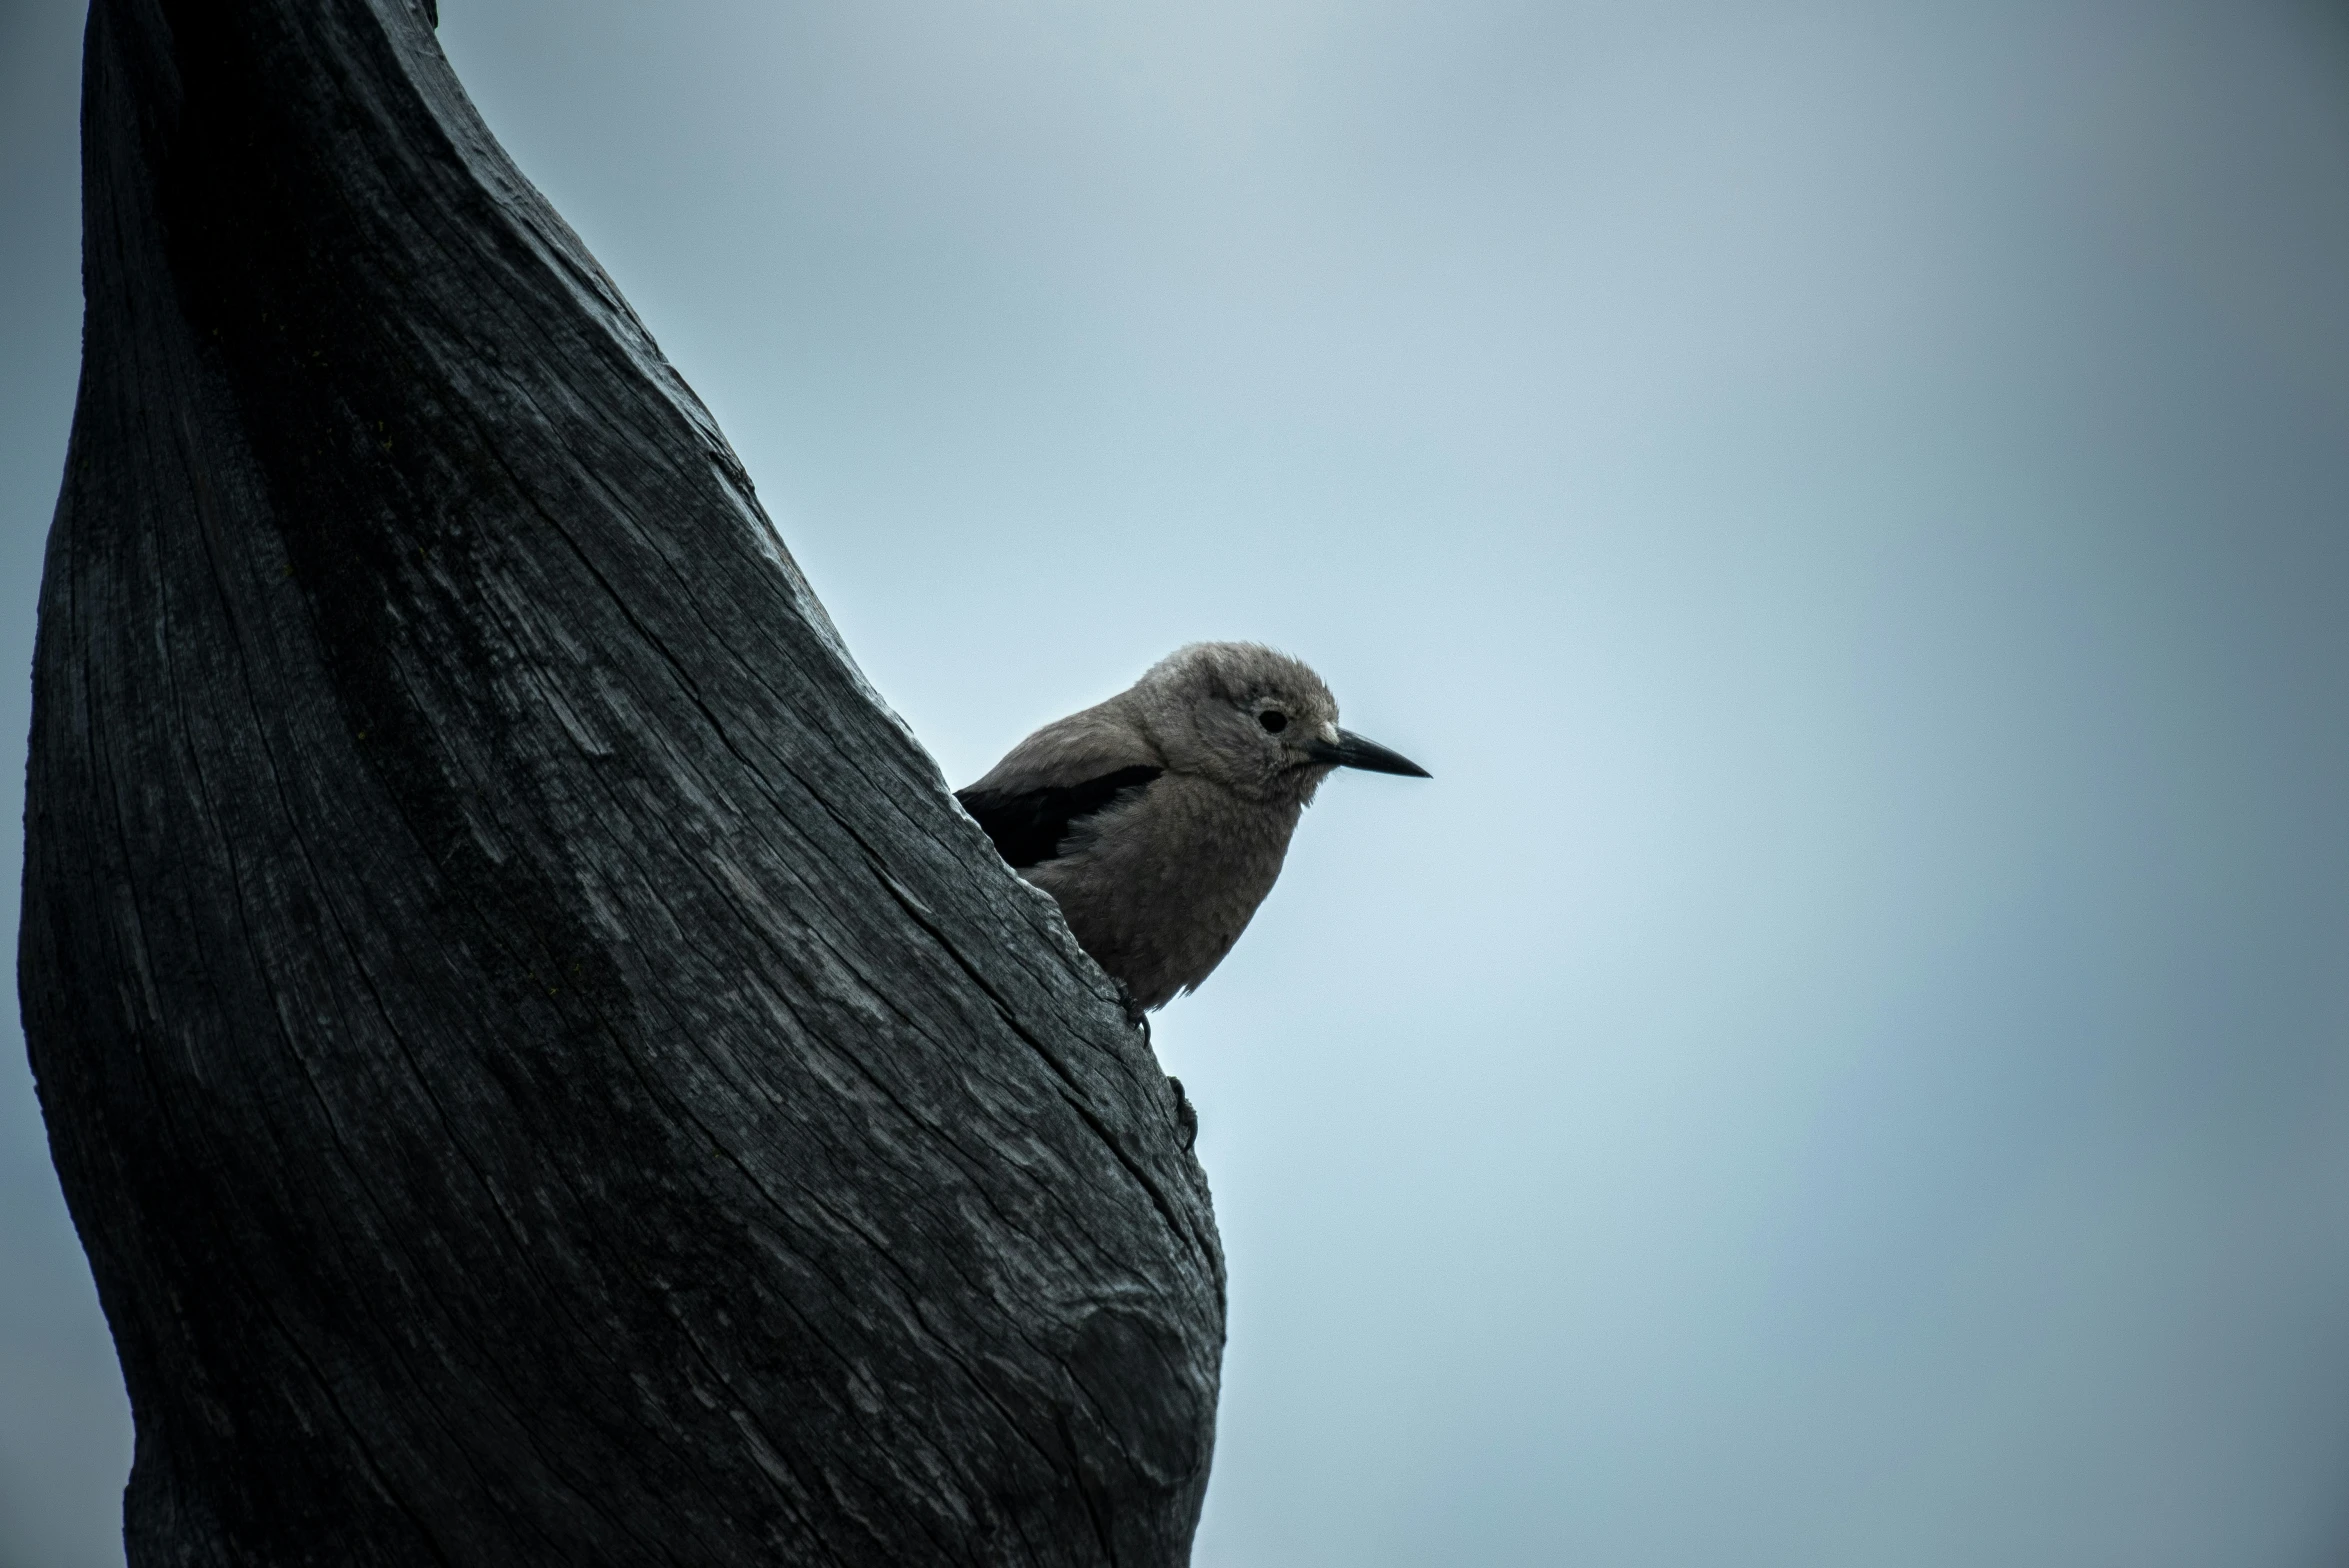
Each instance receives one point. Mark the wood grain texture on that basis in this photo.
(543, 1070)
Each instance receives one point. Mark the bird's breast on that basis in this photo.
(1158, 888)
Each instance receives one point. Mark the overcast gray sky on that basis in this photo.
(1848, 1062)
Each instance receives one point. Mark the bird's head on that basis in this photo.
(1253, 719)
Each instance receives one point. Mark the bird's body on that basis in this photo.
(1159, 819)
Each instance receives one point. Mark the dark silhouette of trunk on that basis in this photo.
(543, 1071)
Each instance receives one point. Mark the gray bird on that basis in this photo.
(1159, 818)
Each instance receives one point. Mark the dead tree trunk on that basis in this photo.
(543, 1072)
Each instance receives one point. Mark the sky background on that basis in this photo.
(1847, 1064)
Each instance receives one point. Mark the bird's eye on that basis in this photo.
(1273, 720)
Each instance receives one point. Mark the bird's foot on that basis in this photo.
(1186, 1114)
(1136, 1017)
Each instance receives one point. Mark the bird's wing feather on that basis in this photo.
(1029, 826)
(1033, 799)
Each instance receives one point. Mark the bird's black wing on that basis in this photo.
(1029, 825)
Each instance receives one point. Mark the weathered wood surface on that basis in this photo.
(543, 1071)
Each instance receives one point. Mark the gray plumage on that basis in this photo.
(1159, 819)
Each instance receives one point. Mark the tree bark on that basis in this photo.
(542, 1069)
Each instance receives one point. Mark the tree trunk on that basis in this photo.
(543, 1070)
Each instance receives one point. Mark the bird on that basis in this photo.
(1158, 819)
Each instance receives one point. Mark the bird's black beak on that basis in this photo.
(1352, 751)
